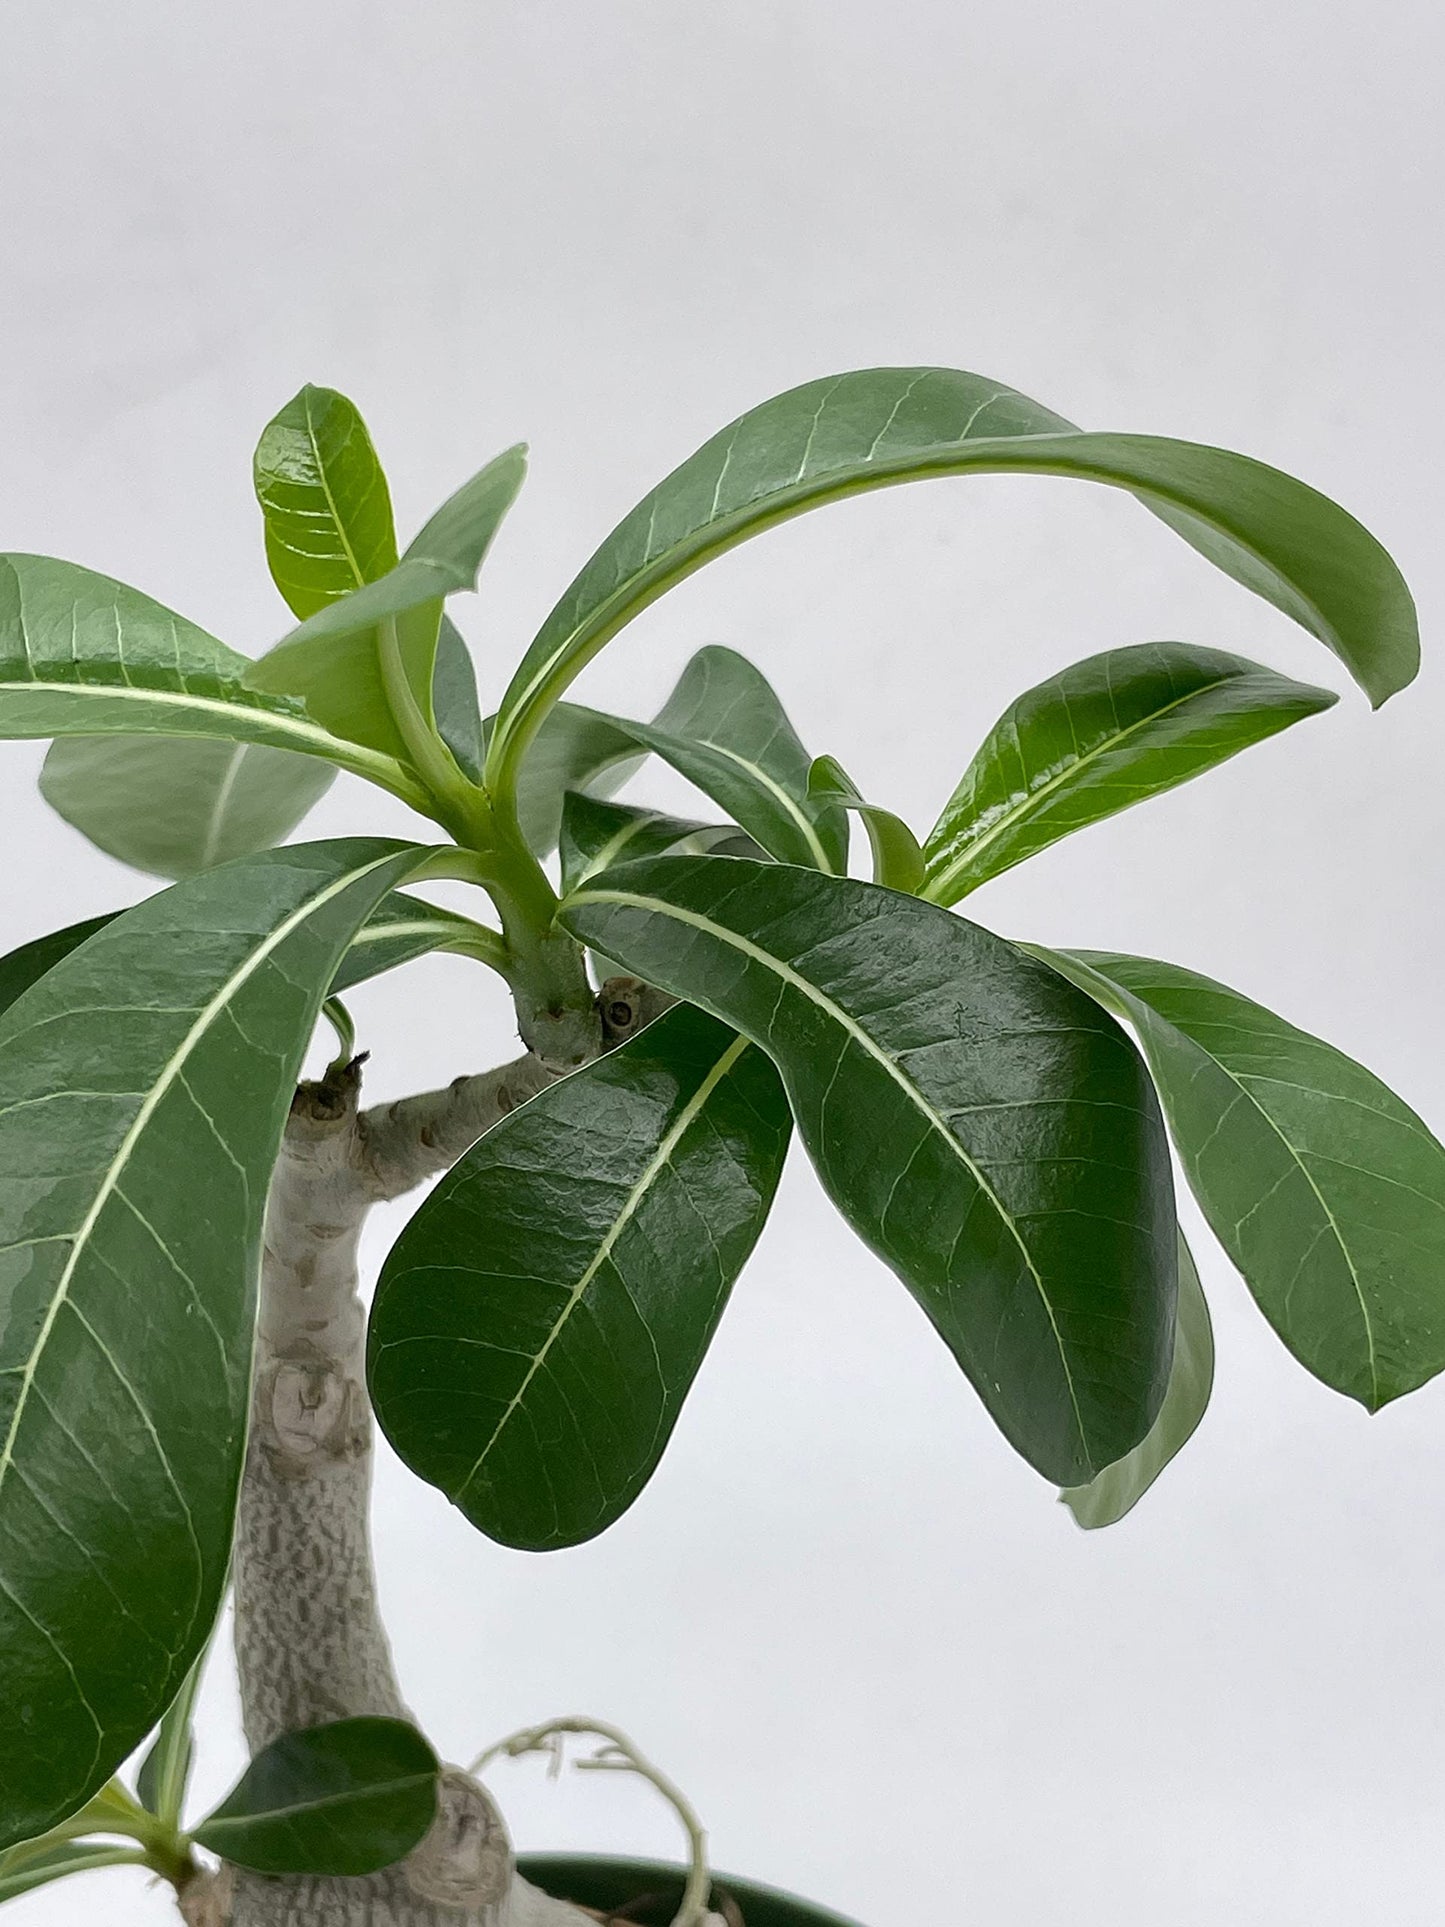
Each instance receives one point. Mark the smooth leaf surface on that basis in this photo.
(897, 858)
(149, 1069)
(1325, 1189)
(993, 1140)
(174, 805)
(166, 1769)
(333, 661)
(881, 426)
(82, 655)
(1120, 1487)
(724, 729)
(402, 929)
(540, 1320)
(324, 501)
(348, 1798)
(575, 749)
(597, 834)
(454, 701)
(1105, 733)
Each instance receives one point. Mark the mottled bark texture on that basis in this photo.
(310, 1644)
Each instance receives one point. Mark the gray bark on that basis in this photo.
(310, 1643)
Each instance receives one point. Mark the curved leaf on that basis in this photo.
(165, 1771)
(402, 929)
(29, 963)
(881, 426)
(454, 701)
(724, 729)
(332, 661)
(72, 1856)
(540, 1320)
(994, 1141)
(1120, 1487)
(82, 655)
(1104, 734)
(149, 1069)
(575, 749)
(173, 805)
(349, 1798)
(897, 859)
(1325, 1189)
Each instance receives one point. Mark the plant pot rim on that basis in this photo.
(779, 1909)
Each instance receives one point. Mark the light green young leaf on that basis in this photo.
(82, 655)
(531, 1343)
(724, 729)
(986, 1131)
(174, 805)
(72, 1856)
(1104, 734)
(346, 1799)
(1325, 1189)
(1120, 1487)
(333, 661)
(150, 1068)
(166, 1769)
(881, 426)
(324, 500)
(897, 859)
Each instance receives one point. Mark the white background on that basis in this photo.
(890, 1671)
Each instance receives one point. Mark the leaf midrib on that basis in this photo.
(910, 1090)
(233, 1823)
(651, 1172)
(170, 1072)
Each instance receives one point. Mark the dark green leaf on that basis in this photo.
(72, 1856)
(995, 1141)
(402, 929)
(575, 749)
(324, 499)
(175, 805)
(1120, 1487)
(349, 1799)
(597, 834)
(81, 655)
(1326, 1191)
(1107, 732)
(880, 426)
(29, 963)
(541, 1318)
(724, 729)
(145, 1076)
(333, 661)
(897, 859)
(454, 701)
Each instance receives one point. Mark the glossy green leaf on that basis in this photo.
(881, 426)
(597, 834)
(82, 655)
(540, 1320)
(72, 1856)
(981, 1126)
(724, 729)
(575, 749)
(324, 501)
(29, 963)
(1119, 1487)
(897, 859)
(1325, 1189)
(149, 1069)
(454, 701)
(334, 661)
(349, 1798)
(1104, 734)
(173, 805)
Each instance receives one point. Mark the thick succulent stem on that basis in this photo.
(310, 1643)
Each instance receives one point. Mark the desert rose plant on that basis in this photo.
(187, 1376)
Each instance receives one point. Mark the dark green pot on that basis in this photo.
(594, 1880)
